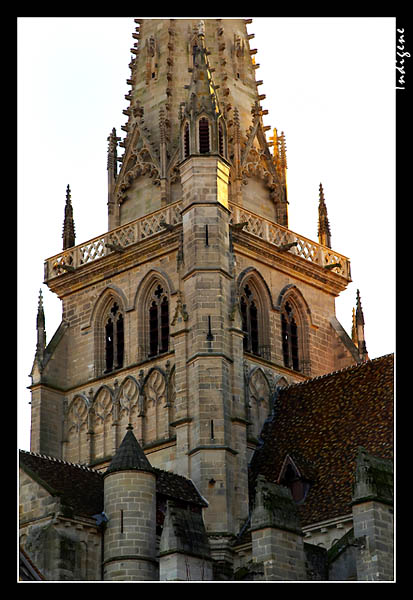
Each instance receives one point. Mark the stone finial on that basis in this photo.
(41, 331)
(324, 235)
(68, 235)
(359, 329)
(112, 150)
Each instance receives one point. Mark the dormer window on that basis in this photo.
(291, 477)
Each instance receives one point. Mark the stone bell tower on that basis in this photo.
(198, 303)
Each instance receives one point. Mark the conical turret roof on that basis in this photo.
(129, 456)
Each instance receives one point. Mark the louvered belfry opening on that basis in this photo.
(203, 136)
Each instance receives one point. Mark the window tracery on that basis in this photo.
(158, 319)
(290, 335)
(249, 314)
(114, 342)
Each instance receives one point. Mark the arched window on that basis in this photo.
(204, 146)
(186, 140)
(289, 332)
(158, 315)
(249, 314)
(114, 338)
(221, 144)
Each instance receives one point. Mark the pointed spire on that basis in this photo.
(40, 327)
(324, 235)
(358, 325)
(129, 455)
(68, 224)
(359, 310)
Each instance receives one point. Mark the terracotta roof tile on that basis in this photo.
(81, 487)
(321, 423)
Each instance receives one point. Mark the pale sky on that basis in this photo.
(329, 85)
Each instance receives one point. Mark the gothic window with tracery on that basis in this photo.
(158, 321)
(114, 338)
(249, 314)
(289, 332)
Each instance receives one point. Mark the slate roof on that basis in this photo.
(320, 424)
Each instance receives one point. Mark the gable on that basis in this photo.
(36, 498)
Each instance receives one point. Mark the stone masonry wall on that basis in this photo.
(130, 535)
(373, 525)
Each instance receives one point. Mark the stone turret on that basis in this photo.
(130, 506)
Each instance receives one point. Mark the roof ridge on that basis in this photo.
(60, 460)
(348, 368)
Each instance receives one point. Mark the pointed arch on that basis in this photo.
(295, 323)
(204, 134)
(108, 320)
(153, 307)
(128, 401)
(259, 395)
(155, 409)
(76, 429)
(222, 137)
(292, 477)
(255, 304)
(102, 420)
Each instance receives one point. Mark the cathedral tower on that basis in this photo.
(199, 302)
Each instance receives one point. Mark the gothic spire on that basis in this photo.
(68, 223)
(40, 327)
(358, 322)
(324, 235)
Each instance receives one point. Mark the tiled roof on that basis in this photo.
(79, 487)
(320, 423)
(177, 487)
